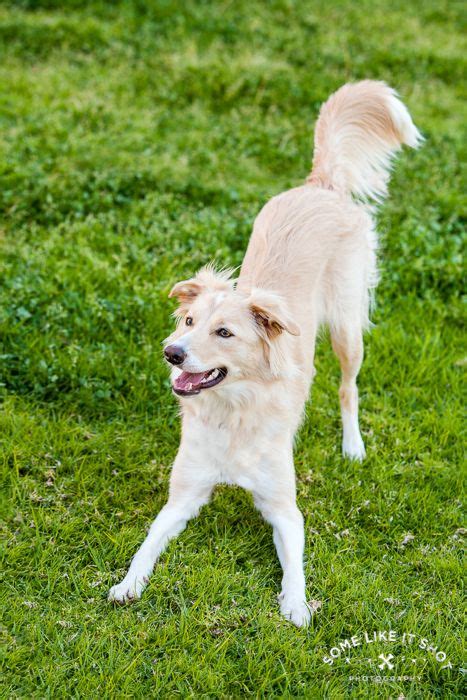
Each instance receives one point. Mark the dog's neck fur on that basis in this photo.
(226, 407)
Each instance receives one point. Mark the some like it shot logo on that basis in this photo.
(387, 655)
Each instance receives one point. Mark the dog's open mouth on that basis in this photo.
(191, 383)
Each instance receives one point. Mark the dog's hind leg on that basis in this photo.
(347, 343)
(183, 504)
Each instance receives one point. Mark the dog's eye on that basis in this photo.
(224, 333)
(188, 321)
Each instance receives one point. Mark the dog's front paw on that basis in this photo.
(296, 611)
(128, 590)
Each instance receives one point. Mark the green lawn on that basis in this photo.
(138, 141)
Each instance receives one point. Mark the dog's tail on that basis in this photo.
(358, 132)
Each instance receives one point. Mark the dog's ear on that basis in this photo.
(207, 279)
(271, 314)
(186, 291)
(272, 318)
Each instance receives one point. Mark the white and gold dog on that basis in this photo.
(242, 352)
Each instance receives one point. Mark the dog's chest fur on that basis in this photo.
(242, 448)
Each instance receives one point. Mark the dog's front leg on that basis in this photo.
(281, 512)
(187, 495)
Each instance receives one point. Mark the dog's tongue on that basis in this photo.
(186, 378)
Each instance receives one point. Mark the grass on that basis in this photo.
(138, 141)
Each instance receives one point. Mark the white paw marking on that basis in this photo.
(128, 590)
(296, 611)
(354, 448)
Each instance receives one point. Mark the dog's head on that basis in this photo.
(224, 335)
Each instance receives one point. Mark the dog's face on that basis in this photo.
(224, 335)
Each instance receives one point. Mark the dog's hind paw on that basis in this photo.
(354, 448)
(128, 590)
(296, 611)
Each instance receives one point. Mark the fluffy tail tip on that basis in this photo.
(408, 132)
(359, 131)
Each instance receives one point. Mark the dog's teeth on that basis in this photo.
(215, 374)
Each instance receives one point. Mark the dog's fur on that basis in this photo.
(311, 260)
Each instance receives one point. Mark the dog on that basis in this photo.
(242, 353)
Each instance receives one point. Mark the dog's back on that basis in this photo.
(315, 244)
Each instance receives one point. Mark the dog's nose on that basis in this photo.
(174, 354)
